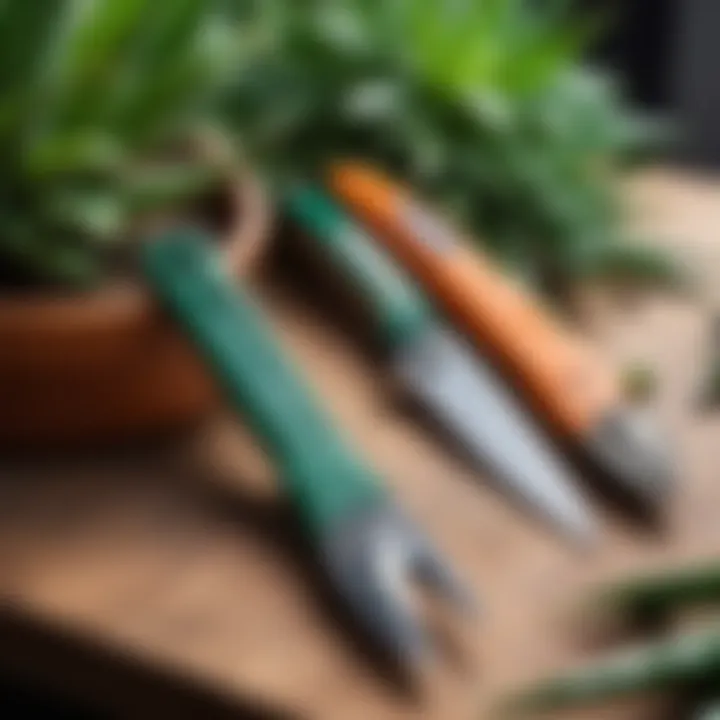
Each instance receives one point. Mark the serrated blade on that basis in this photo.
(465, 393)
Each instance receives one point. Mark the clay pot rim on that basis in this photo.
(242, 245)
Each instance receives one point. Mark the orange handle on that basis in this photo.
(565, 378)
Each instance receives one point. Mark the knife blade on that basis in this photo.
(442, 371)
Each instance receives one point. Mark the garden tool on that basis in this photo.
(566, 381)
(368, 546)
(437, 367)
(677, 664)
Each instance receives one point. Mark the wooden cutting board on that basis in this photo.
(182, 558)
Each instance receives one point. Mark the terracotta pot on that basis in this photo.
(107, 366)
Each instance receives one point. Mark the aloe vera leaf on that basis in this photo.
(662, 591)
(174, 96)
(25, 29)
(640, 264)
(168, 39)
(77, 151)
(94, 57)
(47, 258)
(661, 666)
(28, 34)
(94, 212)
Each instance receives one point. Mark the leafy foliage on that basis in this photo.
(90, 90)
(483, 104)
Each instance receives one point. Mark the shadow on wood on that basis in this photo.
(83, 670)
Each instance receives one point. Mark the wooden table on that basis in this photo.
(183, 558)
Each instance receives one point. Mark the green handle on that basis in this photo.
(398, 306)
(322, 474)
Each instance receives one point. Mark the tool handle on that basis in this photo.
(321, 473)
(567, 381)
(398, 307)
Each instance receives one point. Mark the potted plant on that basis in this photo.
(104, 130)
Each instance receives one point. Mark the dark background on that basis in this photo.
(668, 55)
(643, 45)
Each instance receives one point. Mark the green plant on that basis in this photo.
(482, 104)
(92, 94)
(685, 663)
(664, 592)
(678, 664)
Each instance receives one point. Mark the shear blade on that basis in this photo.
(372, 558)
(467, 394)
(630, 448)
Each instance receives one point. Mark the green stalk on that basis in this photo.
(166, 47)
(662, 592)
(96, 56)
(659, 667)
(28, 33)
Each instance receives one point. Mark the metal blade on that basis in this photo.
(632, 451)
(465, 393)
(373, 556)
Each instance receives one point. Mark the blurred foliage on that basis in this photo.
(92, 92)
(484, 105)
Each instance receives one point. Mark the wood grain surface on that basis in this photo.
(184, 556)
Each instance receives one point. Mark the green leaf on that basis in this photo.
(341, 27)
(29, 32)
(678, 663)
(89, 88)
(640, 265)
(96, 49)
(26, 29)
(155, 187)
(491, 109)
(173, 35)
(47, 256)
(374, 100)
(90, 212)
(81, 152)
